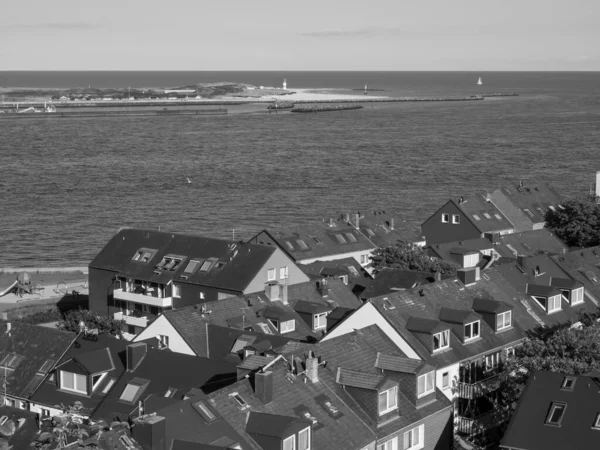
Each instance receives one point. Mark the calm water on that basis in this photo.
(67, 185)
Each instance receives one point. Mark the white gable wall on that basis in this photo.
(368, 315)
(163, 327)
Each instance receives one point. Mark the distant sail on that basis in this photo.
(479, 81)
(189, 181)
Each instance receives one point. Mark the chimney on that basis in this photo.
(356, 221)
(284, 294)
(521, 260)
(135, 355)
(8, 327)
(438, 276)
(150, 432)
(323, 288)
(331, 222)
(263, 386)
(391, 223)
(346, 217)
(477, 273)
(598, 184)
(312, 367)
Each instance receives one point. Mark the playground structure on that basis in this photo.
(24, 285)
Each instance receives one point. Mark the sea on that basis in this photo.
(66, 186)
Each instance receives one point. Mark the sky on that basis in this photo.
(302, 35)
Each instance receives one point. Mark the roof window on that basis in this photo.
(133, 390)
(353, 270)
(596, 425)
(110, 384)
(316, 239)
(10, 361)
(170, 263)
(350, 237)
(528, 212)
(238, 399)
(552, 208)
(476, 217)
(264, 328)
(340, 239)
(308, 416)
(204, 411)
(591, 275)
(568, 383)
(46, 366)
(540, 210)
(192, 266)
(497, 216)
(289, 245)
(486, 215)
(302, 244)
(143, 255)
(370, 232)
(206, 265)
(556, 414)
(387, 304)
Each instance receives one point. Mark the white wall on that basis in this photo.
(368, 315)
(163, 326)
(37, 408)
(355, 255)
(453, 377)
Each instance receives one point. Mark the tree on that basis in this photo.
(406, 255)
(104, 324)
(577, 222)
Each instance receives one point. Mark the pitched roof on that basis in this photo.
(530, 243)
(241, 261)
(528, 428)
(483, 214)
(35, 348)
(334, 237)
(387, 227)
(274, 425)
(389, 280)
(400, 364)
(26, 433)
(584, 266)
(355, 378)
(224, 341)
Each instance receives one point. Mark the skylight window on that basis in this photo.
(350, 237)
(596, 425)
(591, 275)
(204, 411)
(458, 285)
(308, 416)
(561, 207)
(289, 245)
(387, 304)
(353, 270)
(110, 384)
(169, 262)
(46, 366)
(485, 276)
(302, 244)
(556, 414)
(206, 265)
(143, 255)
(238, 399)
(540, 210)
(528, 212)
(10, 361)
(370, 232)
(316, 239)
(130, 392)
(552, 208)
(476, 217)
(340, 239)
(498, 216)
(486, 215)
(568, 383)
(191, 267)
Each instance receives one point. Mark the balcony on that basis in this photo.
(132, 320)
(165, 302)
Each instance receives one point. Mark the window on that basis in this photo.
(289, 245)
(143, 255)
(96, 379)
(576, 296)
(45, 412)
(510, 352)
(302, 244)
(176, 291)
(455, 218)
(425, 384)
(130, 392)
(503, 320)
(445, 218)
(320, 321)
(163, 339)
(591, 275)
(46, 366)
(528, 212)
(264, 328)
(110, 384)
(596, 425)
(364, 259)
(340, 239)
(353, 270)
(476, 217)
(445, 380)
(304, 439)
(497, 216)
(388, 400)
(238, 399)
(552, 208)
(191, 267)
(487, 216)
(10, 361)
(73, 382)
(283, 273)
(555, 416)
(271, 274)
(471, 330)
(287, 326)
(206, 265)
(441, 340)
(392, 444)
(350, 237)
(491, 361)
(413, 439)
(370, 232)
(316, 239)
(554, 303)
(207, 414)
(290, 443)
(568, 383)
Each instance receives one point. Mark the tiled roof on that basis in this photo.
(398, 363)
(584, 266)
(223, 341)
(453, 251)
(320, 239)
(273, 425)
(33, 345)
(530, 243)
(354, 378)
(311, 307)
(386, 228)
(389, 279)
(491, 219)
(97, 361)
(24, 435)
(424, 325)
(454, 315)
(528, 428)
(254, 362)
(241, 261)
(486, 305)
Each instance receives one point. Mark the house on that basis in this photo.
(525, 204)
(386, 228)
(331, 240)
(466, 218)
(346, 269)
(18, 427)
(390, 280)
(150, 371)
(556, 411)
(185, 330)
(583, 266)
(27, 354)
(186, 424)
(467, 253)
(141, 273)
(530, 243)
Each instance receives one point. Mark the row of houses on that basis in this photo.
(289, 341)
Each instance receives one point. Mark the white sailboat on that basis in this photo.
(479, 82)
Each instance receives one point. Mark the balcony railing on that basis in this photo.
(483, 431)
(479, 388)
(132, 320)
(164, 302)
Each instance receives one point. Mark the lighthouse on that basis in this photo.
(284, 84)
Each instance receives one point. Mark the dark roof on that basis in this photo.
(96, 361)
(528, 428)
(48, 392)
(389, 280)
(401, 364)
(453, 251)
(424, 325)
(349, 267)
(24, 435)
(303, 306)
(159, 371)
(453, 315)
(385, 228)
(530, 243)
(584, 266)
(254, 362)
(222, 341)
(491, 219)
(486, 305)
(355, 378)
(242, 261)
(273, 425)
(34, 346)
(301, 242)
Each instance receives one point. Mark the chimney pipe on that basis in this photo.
(521, 260)
(438, 276)
(598, 184)
(135, 355)
(323, 287)
(357, 221)
(391, 223)
(263, 386)
(346, 217)
(8, 327)
(312, 367)
(331, 222)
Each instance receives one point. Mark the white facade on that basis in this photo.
(44, 410)
(162, 327)
(364, 261)
(452, 372)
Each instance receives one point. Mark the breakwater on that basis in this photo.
(95, 113)
(501, 94)
(281, 105)
(325, 108)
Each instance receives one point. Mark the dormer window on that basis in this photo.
(73, 382)
(287, 326)
(425, 384)
(441, 340)
(549, 304)
(320, 321)
(472, 330)
(388, 400)
(574, 296)
(304, 439)
(290, 443)
(503, 320)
